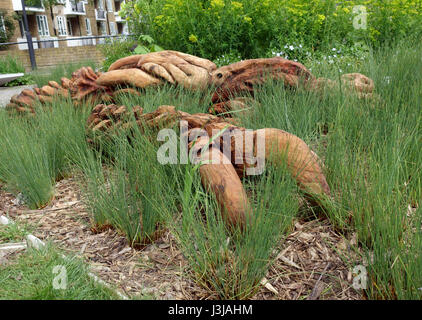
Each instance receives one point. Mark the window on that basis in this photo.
(88, 26)
(109, 6)
(2, 26)
(102, 28)
(100, 4)
(69, 27)
(42, 26)
(61, 25)
(117, 6)
(113, 29)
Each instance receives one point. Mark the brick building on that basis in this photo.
(69, 19)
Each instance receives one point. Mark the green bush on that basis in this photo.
(11, 64)
(114, 50)
(7, 28)
(251, 27)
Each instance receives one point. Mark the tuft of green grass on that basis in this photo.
(11, 64)
(37, 151)
(189, 101)
(131, 192)
(42, 76)
(14, 232)
(46, 275)
(24, 163)
(230, 262)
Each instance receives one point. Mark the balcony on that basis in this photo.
(35, 6)
(73, 8)
(118, 18)
(24, 45)
(51, 43)
(100, 14)
(77, 42)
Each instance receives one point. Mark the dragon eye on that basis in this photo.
(219, 75)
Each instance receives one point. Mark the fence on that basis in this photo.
(48, 53)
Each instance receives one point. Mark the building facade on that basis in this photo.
(68, 20)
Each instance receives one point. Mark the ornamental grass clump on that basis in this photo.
(24, 162)
(231, 262)
(126, 187)
(37, 151)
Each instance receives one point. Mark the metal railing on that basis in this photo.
(76, 38)
(47, 42)
(100, 14)
(77, 7)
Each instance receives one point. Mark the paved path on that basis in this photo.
(7, 92)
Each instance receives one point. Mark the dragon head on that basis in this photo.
(244, 75)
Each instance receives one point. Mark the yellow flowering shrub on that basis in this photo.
(193, 38)
(237, 5)
(217, 4)
(250, 27)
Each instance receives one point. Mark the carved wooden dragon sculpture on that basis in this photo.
(176, 68)
(229, 82)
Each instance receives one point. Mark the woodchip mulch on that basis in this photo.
(314, 262)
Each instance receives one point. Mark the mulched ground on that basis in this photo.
(314, 262)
